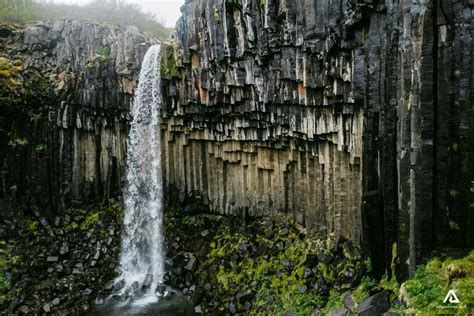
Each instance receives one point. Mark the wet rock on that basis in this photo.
(198, 309)
(161, 289)
(191, 263)
(147, 281)
(311, 259)
(64, 249)
(232, 308)
(302, 289)
(349, 302)
(56, 301)
(47, 308)
(24, 309)
(243, 246)
(245, 296)
(376, 304)
(204, 233)
(341, 311)
(52, 259)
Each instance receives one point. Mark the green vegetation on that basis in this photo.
(426, 291)
(169, 67)
(18, 142)
(115, 12)
(41, 148)
(5, 258)
(278, 275)
(8, 72)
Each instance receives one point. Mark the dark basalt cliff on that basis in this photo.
(353, 118)
(65, 112)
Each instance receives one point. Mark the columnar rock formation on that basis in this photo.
(69, 113)
(352, 117)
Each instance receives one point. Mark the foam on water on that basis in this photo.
(142, 255)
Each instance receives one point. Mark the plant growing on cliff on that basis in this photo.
(20, 141)
(169, 68)
(41, 148)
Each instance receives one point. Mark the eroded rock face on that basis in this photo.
(70, 112)
(341, 113)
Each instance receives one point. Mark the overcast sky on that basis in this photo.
(166, 11)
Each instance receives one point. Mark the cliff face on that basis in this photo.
(353, 117)
(64, 112)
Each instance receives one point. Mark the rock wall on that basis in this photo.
(353, 117)
(63, 133)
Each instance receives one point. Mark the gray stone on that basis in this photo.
(190, 265)
(376, 304)
(147, 282)
(349, 302)
(47, 307)
(24, 309)
(64, 249)
(341, 311)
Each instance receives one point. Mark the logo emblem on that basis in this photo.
(451, 297)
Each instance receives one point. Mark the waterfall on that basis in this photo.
(142, 256)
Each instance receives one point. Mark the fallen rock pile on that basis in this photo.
(63, 266)
(226, 266)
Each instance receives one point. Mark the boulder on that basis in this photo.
(349, 302)
(190, 265)
(341, 311)
(376, 304)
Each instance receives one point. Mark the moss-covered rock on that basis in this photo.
(262, 267)
(426, 292)
(69, 261)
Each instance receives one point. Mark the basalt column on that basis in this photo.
(352, 117)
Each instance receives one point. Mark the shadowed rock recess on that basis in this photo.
(353, 118)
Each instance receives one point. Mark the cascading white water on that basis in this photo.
(142, 254)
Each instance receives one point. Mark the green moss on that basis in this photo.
(5, 262)
(105, 51)
(169, 68)
(364, 34)
(41, 148)
(8, 72)
(33, 227)
(276, 277)
(426, 291)
(20, 141)
(215, 12)
(91, 220)
(72, 226)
